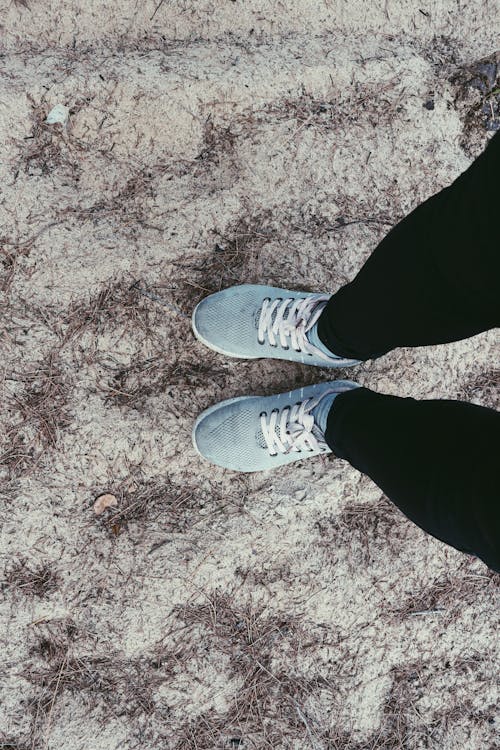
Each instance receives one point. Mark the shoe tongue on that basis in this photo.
(320, 413)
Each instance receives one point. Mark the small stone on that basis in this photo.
(429, 104)
(59, 113)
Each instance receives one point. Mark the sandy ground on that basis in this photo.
(207, 145)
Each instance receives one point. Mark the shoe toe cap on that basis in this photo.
(226, 320)
(226, 437)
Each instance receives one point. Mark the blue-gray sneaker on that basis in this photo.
(253, 433)
(252, 321)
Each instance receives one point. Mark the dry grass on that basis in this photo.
(477, 98)
(47, 148)
(260, 576)
(11, 743)
(482, 389)
(38, 401)
(179, 506)
(218, 142)
(317, 226)
(362, 527)
(253, 249)
(268, 707)
(10, 252)
(118, 302)
(116, 684)
(130, 386)
(121, 308)
(15, 454)
(51, 639)
(448, 594)
(160, 362)
(125, 204)
(35, 580)
(8, 492)
(271, 707)
(233, 259)
(358, 104)
(398, 707)
(116, 680)
(404, 726)
(52, 149)
(286, 681)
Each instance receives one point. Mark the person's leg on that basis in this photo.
(433, 279)
(436, 460)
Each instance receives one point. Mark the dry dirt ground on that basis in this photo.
(209, 144)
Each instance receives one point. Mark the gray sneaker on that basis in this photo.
(252, 321)
(254, 433)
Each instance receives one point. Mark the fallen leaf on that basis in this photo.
(104, 501)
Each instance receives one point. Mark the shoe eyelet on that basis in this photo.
(262, 414)
(285, 348)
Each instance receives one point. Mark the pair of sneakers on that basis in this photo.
(254, 433)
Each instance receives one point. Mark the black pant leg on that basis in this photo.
(436, 460)
(433, 279)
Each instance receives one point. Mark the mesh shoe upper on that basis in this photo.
(230, 434)
(242, 321)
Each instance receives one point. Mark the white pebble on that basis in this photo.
(59, 113)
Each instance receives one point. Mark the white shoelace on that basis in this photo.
(297, 428)
(293, 318)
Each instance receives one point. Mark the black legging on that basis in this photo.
(433, 279)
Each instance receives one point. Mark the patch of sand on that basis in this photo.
(210, 610)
